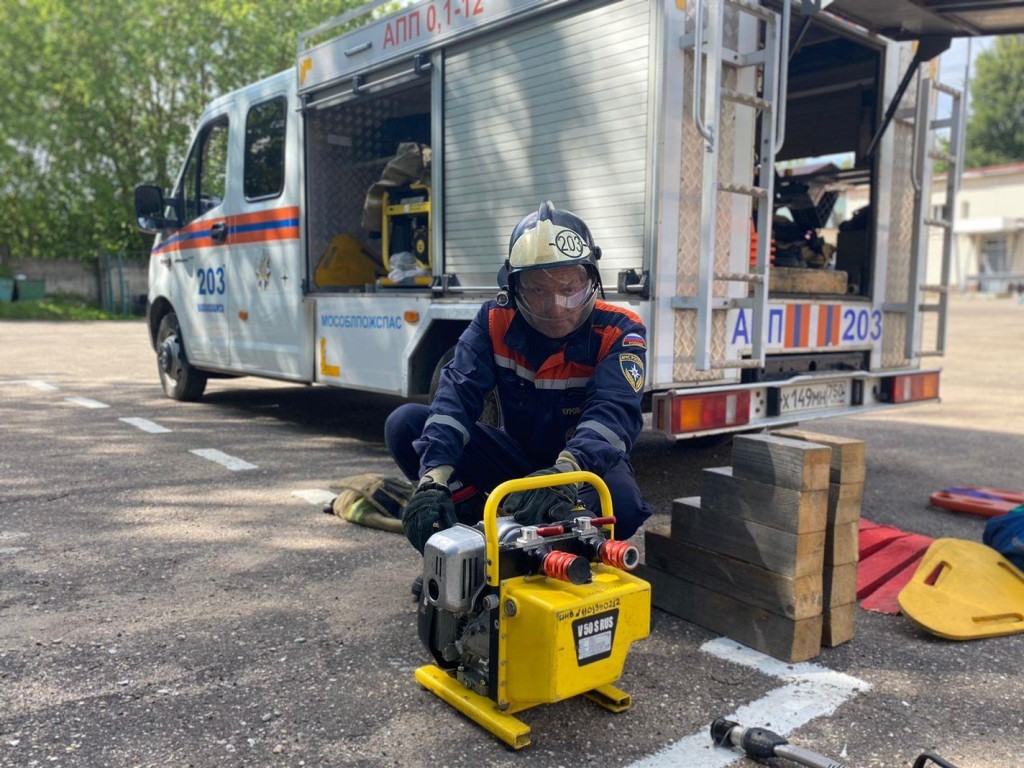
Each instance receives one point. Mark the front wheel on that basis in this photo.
(178, 378)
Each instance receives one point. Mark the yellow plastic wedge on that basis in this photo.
(963, 590)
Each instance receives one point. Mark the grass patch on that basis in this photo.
(56, 307)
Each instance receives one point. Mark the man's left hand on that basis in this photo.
(544, 505)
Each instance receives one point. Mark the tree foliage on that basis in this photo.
(995, 130)
(99, 97)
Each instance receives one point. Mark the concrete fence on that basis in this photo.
(117, 282)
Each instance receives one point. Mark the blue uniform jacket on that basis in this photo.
(581, 393)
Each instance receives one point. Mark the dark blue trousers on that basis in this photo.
(491, 457)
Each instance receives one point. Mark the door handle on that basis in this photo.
(219, 232)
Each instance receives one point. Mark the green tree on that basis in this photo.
(995, 129)
(99, 97)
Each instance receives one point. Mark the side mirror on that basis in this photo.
(151, 210)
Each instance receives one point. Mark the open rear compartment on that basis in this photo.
(368, 189)
(823, 249)
(832, 112)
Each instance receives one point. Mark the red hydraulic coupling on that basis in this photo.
(566, 566)
(619, 554)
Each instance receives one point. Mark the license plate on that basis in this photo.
(800, 398)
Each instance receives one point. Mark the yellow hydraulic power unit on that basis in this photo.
(405, 227)
(515, 616)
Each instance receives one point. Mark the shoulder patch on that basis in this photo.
(632, 368)
(634, 340)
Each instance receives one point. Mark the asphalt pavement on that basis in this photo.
(160, 605)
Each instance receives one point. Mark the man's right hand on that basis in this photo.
(429, 510)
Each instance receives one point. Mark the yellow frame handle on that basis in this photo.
(528, 484)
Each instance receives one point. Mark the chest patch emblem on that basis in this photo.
(632, 368)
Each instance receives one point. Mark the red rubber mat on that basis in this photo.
(888, 559)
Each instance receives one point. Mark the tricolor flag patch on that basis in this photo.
(634, 340)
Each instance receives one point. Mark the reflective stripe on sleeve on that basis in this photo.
(448, 421)
(603, 431)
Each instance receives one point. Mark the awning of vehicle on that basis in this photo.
(914, 19)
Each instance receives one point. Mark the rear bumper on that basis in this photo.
(699, 411)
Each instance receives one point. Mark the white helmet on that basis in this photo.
(551, 271)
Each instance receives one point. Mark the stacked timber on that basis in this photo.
(747, 557)
(845, 496)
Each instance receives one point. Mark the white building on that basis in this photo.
(988, 248)
(988, 244)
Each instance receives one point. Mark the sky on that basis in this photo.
(953, 61)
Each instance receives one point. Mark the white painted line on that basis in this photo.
(233, 463)
(85, 402)
(35, 383)
(145, 425)
(316, 496)
(811, 691)
(7, 551)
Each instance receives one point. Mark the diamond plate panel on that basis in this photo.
(683, 369)
(726, 159)
(901, 231)
(689, 216)
(894, 335)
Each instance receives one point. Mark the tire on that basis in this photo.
(178, 378)
(492, 408)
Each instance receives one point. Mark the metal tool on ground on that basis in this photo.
(515, 616)
(762, 744)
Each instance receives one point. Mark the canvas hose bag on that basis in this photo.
(372, 500)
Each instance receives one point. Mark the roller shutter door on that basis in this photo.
(556, 109)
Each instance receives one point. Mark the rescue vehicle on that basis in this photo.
(341, 222)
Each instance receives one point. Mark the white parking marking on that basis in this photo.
(233, 463)
(85, 402)
(7, 551)
(316, 496)
(34, 383)
(811, 691)
(145, 425)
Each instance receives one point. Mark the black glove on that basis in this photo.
(544, 505)
(429, 510)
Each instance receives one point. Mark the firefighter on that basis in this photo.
(568, 372)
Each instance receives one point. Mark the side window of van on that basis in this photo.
(205, 178)
(264, 150)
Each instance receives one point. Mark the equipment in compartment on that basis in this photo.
(405, 233)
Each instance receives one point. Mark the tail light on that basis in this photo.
(696, 413)
(911, 387)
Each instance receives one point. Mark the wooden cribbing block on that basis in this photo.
(790, 554)
(847, 465)
(844, 502)
(839, 585)
(781, 461)
(837, 624)
(771, 505)
(795, 598)
(804, 280)
(841, 544)
(790, 640)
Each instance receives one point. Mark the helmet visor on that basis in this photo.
(556, 301)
